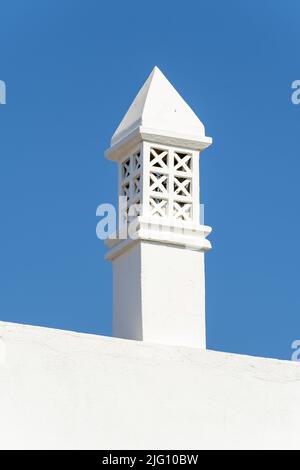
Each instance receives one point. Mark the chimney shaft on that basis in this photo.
(158, 269)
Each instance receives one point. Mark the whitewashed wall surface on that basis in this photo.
(64, 390)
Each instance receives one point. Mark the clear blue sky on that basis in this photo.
(72, 68)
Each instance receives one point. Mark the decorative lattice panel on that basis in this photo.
(137, 185)
(170, 184)
(158, 183)
(125, 190)
(182, 162)
(126, 169)
(159, 159)
(182, 186)
(182, 211)
(131, 185)
(159, 207)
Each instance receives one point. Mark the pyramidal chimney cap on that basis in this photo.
(159, 111)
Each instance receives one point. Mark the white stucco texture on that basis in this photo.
(159, 295)
(64, 390)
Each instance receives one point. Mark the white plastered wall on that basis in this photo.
(68, 390)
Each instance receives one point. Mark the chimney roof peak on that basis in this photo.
(159, 108)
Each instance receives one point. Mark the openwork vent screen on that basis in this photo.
(168, 183)
(131, 185)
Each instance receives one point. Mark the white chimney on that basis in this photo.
(158, 275)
